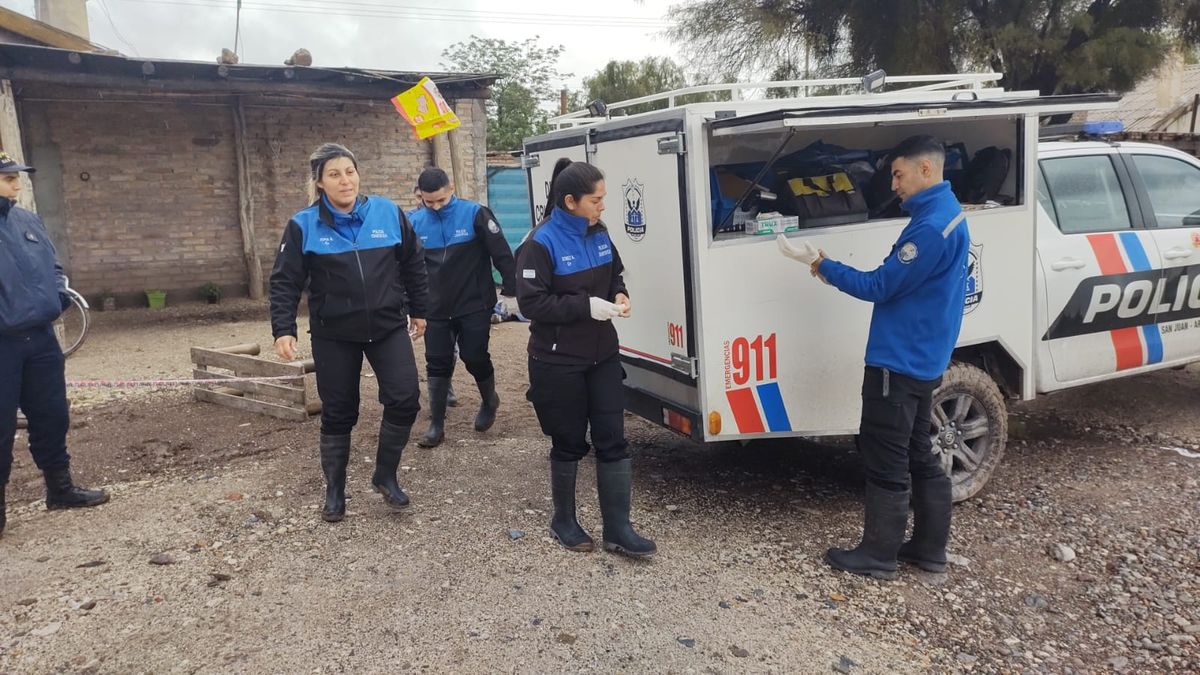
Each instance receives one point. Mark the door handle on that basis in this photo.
(1177, 253)
(1067, 264)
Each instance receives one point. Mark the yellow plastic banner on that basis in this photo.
(426, 110)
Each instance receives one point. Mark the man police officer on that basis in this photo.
(32, 375)
(462, 242)
(918, 295)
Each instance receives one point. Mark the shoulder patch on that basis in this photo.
(907, 252)
(493, 227)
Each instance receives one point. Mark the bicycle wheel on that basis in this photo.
(71, 328)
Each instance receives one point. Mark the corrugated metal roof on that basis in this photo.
(1140, 109)
(30, 63)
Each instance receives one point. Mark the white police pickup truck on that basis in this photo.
(1086, 268)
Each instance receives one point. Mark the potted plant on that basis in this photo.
(211, 292)
(156, 298)
(108, 301)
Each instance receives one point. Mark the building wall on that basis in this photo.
(149, 189)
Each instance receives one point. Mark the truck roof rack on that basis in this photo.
(872, 84)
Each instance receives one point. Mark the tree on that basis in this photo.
(625, 80)
(528, 82)
(1054, 46)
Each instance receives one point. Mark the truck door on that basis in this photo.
(1100, 268)
(1169, 189)
(538, 160)
(647, 220)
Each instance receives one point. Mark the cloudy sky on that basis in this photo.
(406, 35)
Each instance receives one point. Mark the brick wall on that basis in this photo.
(280, 140)
(159, 206)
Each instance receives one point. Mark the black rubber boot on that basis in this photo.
(62, 493)
(486, 416)
(614, 482)
(392, 439)
(886, 514)
(564, 527)
(335, 456)
(931, 504)
(436, 433)
(451, 397)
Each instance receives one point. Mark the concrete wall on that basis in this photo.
(147, 188)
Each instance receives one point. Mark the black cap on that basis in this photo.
(10, 165)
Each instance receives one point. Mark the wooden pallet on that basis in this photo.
(290, 399)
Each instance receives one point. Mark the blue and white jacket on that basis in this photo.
(365, 271)
(562, 263)
(462, 242)
(31, 280)
(919, 289)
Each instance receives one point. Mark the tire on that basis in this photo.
(970, 428)
(72, 326)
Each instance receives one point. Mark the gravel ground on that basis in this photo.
(1081, 556)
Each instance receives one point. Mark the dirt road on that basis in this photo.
(467, 580)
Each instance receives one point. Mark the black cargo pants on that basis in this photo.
(895, 437)
(339, 369)
(568, 399)
(472, 333)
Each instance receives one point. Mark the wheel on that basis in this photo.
(970, 428)
(71, 328)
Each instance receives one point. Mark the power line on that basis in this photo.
(323, 6)
(116, 31)
(413, 13)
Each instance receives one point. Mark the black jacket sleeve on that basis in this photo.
(288, 277)
(537, 301)
(617, 283)
(497, 248)
(410, 261)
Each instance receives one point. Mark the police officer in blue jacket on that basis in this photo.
(32, 375)
(571, 288)
(462, 242)
(918, 295)
(367, 295)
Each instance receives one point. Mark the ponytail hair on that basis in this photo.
(570, 178)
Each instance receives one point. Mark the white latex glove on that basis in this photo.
(804, 253)
(603, 310)
(509, 304)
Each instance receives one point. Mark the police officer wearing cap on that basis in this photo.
(32, 375)
(918, 295)
(462, 242)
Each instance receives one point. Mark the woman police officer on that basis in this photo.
(569, 285)
(360, 259)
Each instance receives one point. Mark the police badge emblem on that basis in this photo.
(635, 214)
(974, 290)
